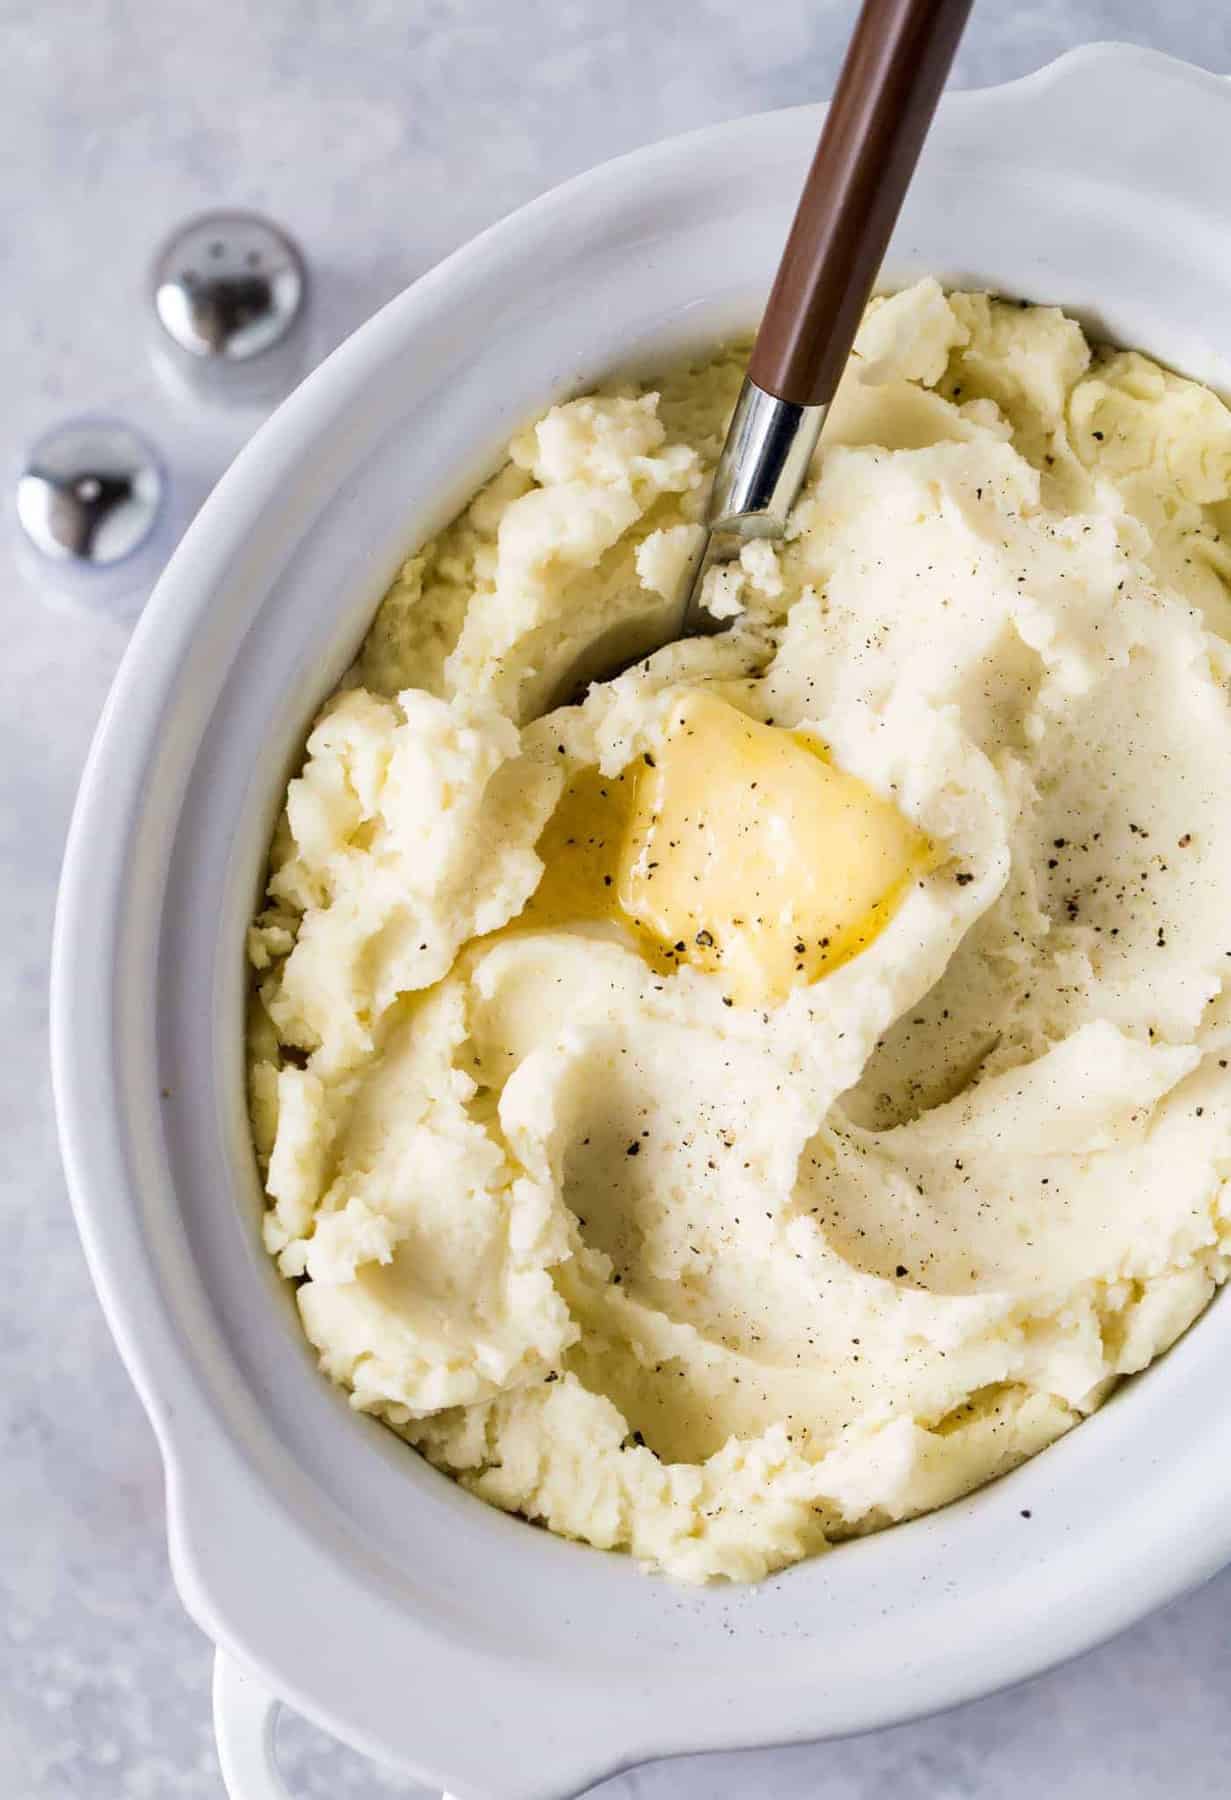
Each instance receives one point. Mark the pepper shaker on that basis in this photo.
(229, 298)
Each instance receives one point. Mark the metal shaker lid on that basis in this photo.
(229, 286)
(89, 494)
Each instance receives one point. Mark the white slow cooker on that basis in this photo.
(333, 1568)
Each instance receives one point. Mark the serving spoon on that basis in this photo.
(892, 77)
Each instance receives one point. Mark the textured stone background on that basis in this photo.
(383, 134)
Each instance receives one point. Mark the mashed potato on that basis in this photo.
(853, 1162)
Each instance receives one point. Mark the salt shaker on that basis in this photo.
(91, 515)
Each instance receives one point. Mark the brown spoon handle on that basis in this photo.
(895, 69)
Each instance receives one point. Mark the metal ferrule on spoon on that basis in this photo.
(764, 460)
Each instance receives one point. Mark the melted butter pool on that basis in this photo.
(737, 847)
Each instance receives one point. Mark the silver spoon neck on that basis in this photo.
(764, 460)
(760, 472)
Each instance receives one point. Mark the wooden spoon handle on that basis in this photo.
(895, 69)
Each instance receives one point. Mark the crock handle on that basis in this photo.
(245, 1714)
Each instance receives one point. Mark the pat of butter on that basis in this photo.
(748, 854)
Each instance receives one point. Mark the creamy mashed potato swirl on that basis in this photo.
(720, 1271)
